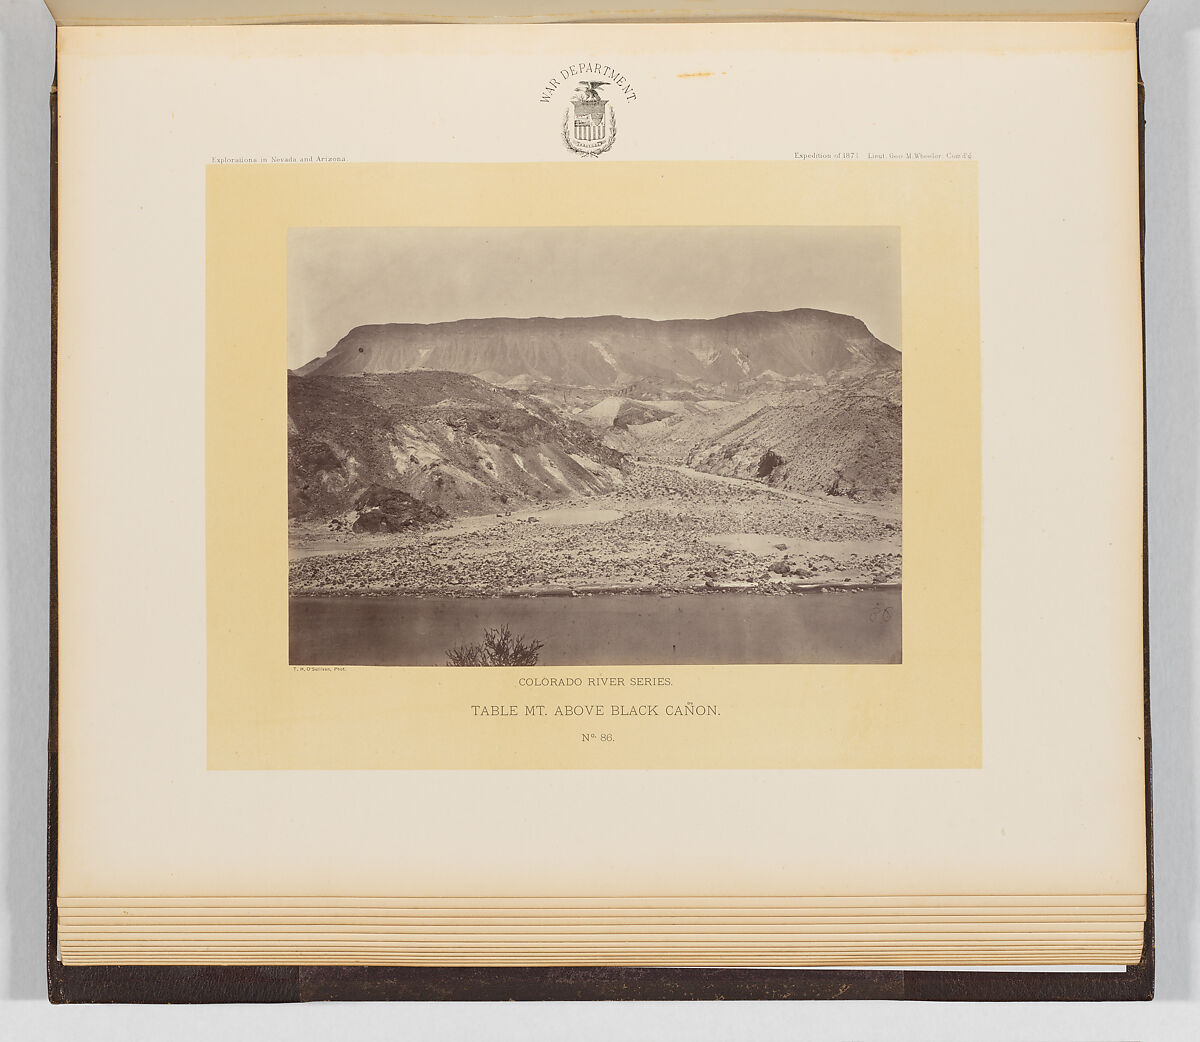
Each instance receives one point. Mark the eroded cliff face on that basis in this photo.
(612, 351)
(453, 443)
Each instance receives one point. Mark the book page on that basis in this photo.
(160, 12)
(998, 753)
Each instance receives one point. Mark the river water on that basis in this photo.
(850, 626)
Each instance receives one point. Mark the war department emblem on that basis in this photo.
(589, 124)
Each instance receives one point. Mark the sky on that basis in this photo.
(339, 278)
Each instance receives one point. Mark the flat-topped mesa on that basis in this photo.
(612, 351)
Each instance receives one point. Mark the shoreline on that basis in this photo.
(611, 590)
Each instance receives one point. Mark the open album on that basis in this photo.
(658, 501)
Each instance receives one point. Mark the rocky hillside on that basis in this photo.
(623, 413)
(841, 440)
(614, 352)
(451, 443)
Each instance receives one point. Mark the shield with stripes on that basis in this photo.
(590, 125)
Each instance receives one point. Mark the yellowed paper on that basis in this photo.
(265, 713)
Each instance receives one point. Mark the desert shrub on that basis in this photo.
(770, 460)
(499, 648)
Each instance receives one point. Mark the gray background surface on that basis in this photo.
(1170, 37)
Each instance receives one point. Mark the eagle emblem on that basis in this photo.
(589, 124)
